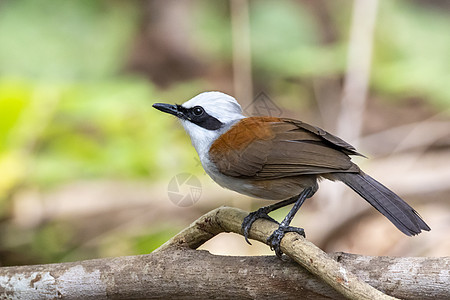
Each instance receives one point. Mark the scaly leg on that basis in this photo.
(275, 239)
(262, 213)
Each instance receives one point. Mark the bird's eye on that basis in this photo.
(198, 111)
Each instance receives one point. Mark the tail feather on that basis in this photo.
(403, 216)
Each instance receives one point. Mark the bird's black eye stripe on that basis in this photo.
(200, 117)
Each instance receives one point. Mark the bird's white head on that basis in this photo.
(205, 117)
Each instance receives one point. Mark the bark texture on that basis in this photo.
(186, 273)
(177, 270)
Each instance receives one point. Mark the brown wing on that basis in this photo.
(333, 140)
(265, 148)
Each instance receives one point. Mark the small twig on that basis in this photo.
(226, 219)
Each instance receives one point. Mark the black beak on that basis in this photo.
(168, 108)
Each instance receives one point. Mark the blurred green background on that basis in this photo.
(85, 161)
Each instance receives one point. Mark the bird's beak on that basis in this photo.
(168, 108)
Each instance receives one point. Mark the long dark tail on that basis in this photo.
(403, 216)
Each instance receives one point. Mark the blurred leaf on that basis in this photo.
(212, 24)
(12, 170)
(147, 243)
(95, 35)
(411, 55)
(286, 41)
(52, 240)
(14, 97)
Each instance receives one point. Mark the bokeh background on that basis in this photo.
(85, 162)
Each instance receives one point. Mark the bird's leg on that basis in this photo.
(262, 213)
(275, 239)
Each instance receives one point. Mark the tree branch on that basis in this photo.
(226, 219)
(174, 270)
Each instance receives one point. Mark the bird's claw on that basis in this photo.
(251, 218)
(275, 238)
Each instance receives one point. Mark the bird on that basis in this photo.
(279, 159)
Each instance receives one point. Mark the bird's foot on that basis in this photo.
(261, 213)
(275, 238)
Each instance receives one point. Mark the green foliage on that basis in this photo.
(13, 100)
(286, 41)
(411, 55)
(144, 244)
(213, 29)
(50, 241)
(64, 112)
(64, 40)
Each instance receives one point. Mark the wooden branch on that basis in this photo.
(186, 274)
(226, 219)
(178, 271)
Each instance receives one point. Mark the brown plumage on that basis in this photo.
(263, 150)
(270, 148)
